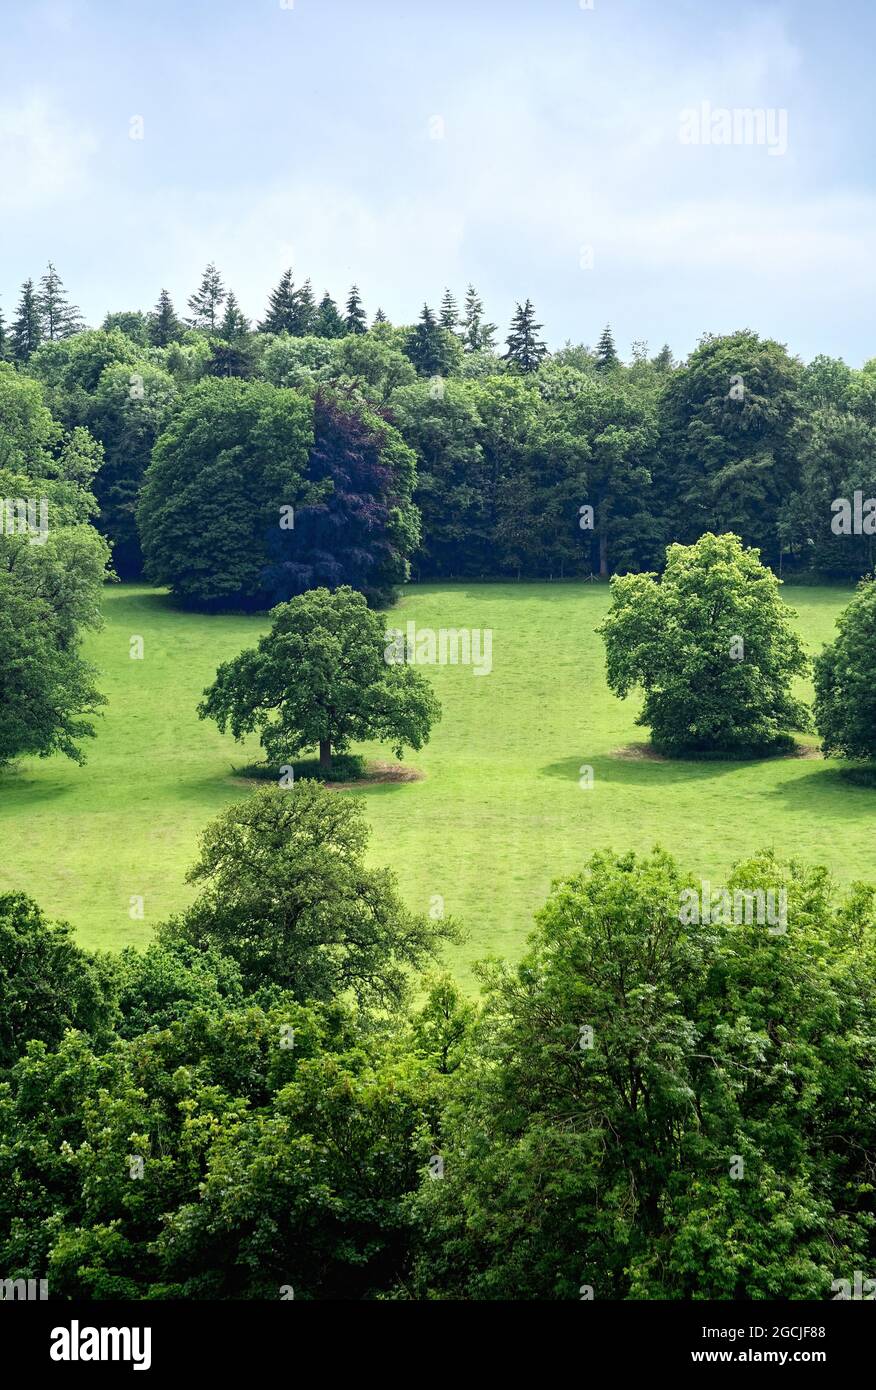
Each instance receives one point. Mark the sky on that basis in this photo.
(533, 148)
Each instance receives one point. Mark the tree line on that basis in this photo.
(524, 464)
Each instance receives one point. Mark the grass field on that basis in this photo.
(499, 811)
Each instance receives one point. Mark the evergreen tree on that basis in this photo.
(230, 358)
(58, 317)
(207, 300)
(606, 353)
(328, 322)
(5, 345)
(281, 314)
(448, 315)
(356, 322)
(164, 327)
(26, 333)
(380, 317)
(664, 361)
(427, 346)
(525, 349)
(304, 311)
(235, 324)
(477, 334)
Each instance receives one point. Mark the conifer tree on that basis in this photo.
(448, 315)
(606, 353)
(235, 324)
(207, 301)
(26, 333)
(280, 317)
(58, 317)
(379, 317)
(664, 361)
(328, 322)
(303, 311)
(427, 345)
(356, 322)
(163, 325)
(477, 334)
(525, 349)
(5, 345)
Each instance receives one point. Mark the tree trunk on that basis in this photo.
(603, 556)
(325, 754)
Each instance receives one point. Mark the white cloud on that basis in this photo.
(542, 153)
(44, 156)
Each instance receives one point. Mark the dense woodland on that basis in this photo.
(432, 450)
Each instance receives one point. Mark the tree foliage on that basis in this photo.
(286, 894)
(232, 457)
(361, 524)
(713, 648)
(845, 681)
(630, 1120)
(321, 678)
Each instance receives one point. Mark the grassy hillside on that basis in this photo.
(499, 811)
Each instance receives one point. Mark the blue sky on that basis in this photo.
(530, 146)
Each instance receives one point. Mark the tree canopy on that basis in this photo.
(713, 648)
(845, 681)
(231, 458)
(320, 678)
(285, 892)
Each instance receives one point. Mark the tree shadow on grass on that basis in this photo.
(127, 601)
(350, 772)
(827, 783)
(19, 786)
(647, 770)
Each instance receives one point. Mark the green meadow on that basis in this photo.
(499, 810)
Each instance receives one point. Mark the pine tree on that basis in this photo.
(448, 315)
(5, 345)
(476, 333)
(304, 311)
(427, 346)
(379, 317)
(235, 324)
(606, 353)
(525, 348)
(280, 317)
(163, 325)
(664, 361)
(26, 333)
(356, 322)
(328, 322)
(58, 317)
(207, 300)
